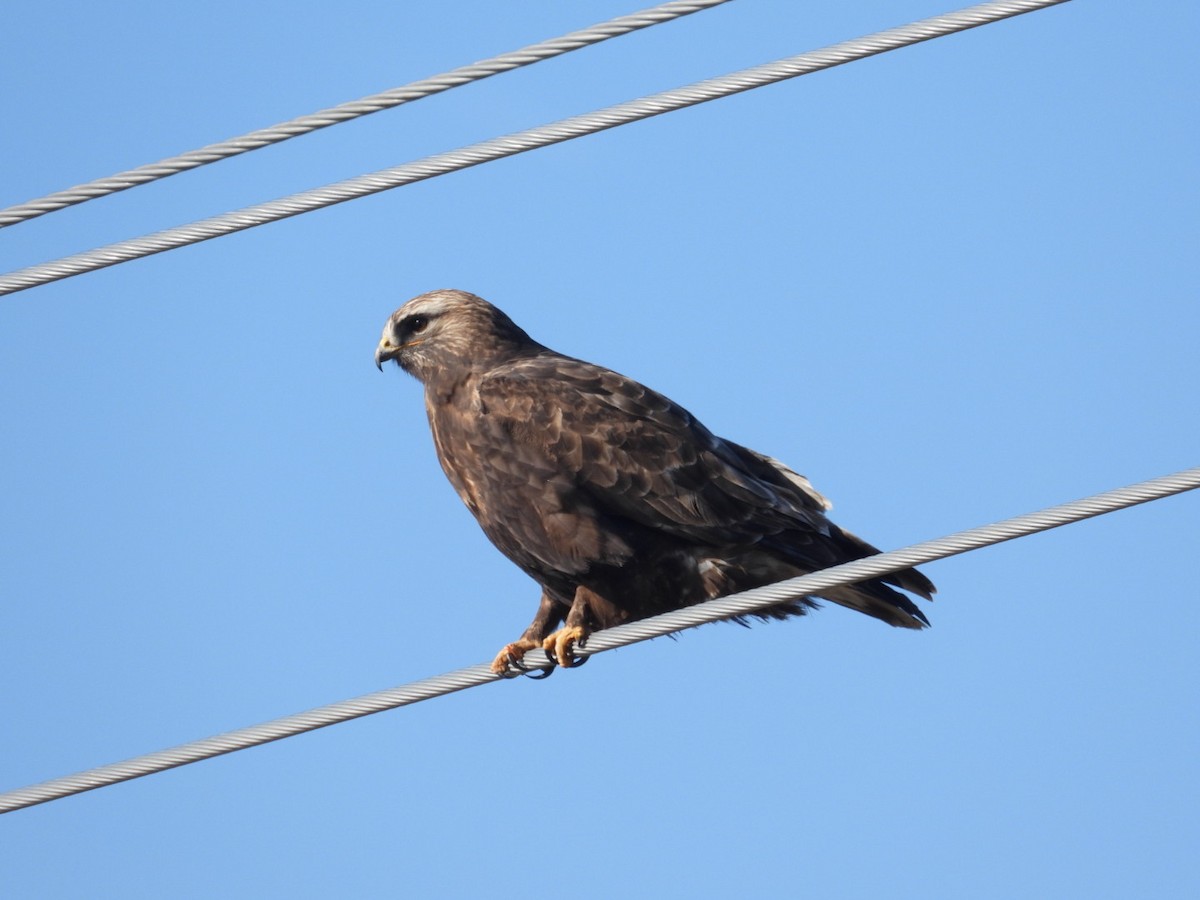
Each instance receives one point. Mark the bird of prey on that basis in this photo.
(618, 502)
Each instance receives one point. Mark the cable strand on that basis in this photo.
(623, 635)
(520, 142)
(353, 109)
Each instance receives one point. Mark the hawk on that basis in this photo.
(617, 501)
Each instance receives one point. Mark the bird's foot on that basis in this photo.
(512, 654)
(559, 646)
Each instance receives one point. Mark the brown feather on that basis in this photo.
(587, 479)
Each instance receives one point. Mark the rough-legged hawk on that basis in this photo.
(618, 502)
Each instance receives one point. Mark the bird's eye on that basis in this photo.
(417, 324)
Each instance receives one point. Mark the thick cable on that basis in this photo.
(520, 142)
(741, 604)
(354, 109)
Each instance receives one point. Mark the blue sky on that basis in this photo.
(950, 284)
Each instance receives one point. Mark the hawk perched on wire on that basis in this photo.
(614, 499)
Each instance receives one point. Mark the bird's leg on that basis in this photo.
(575, 631)
(548, 615)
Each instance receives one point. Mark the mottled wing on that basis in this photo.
(634, 454)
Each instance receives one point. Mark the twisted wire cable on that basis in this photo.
(734, 605)
(520, 142)
(344, 112)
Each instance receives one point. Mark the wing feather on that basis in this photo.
(640, 456)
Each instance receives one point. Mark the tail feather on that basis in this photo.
(911, 580)
(874, 597)
(787, 557)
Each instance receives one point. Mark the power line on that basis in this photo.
(623, 635)
(497, 148)
(344, 112)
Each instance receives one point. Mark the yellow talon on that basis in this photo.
(512, 654)
(559, 645)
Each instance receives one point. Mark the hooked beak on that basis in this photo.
(385, 351)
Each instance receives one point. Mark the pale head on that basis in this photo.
(447, 334)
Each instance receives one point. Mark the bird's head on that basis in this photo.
(447, 334)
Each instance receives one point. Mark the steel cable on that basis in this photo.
(623, 635)
(354, 109)
(520, 142)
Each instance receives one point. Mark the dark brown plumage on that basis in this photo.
(618, 502)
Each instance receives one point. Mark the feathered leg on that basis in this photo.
(549, 614)
(576, 630)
